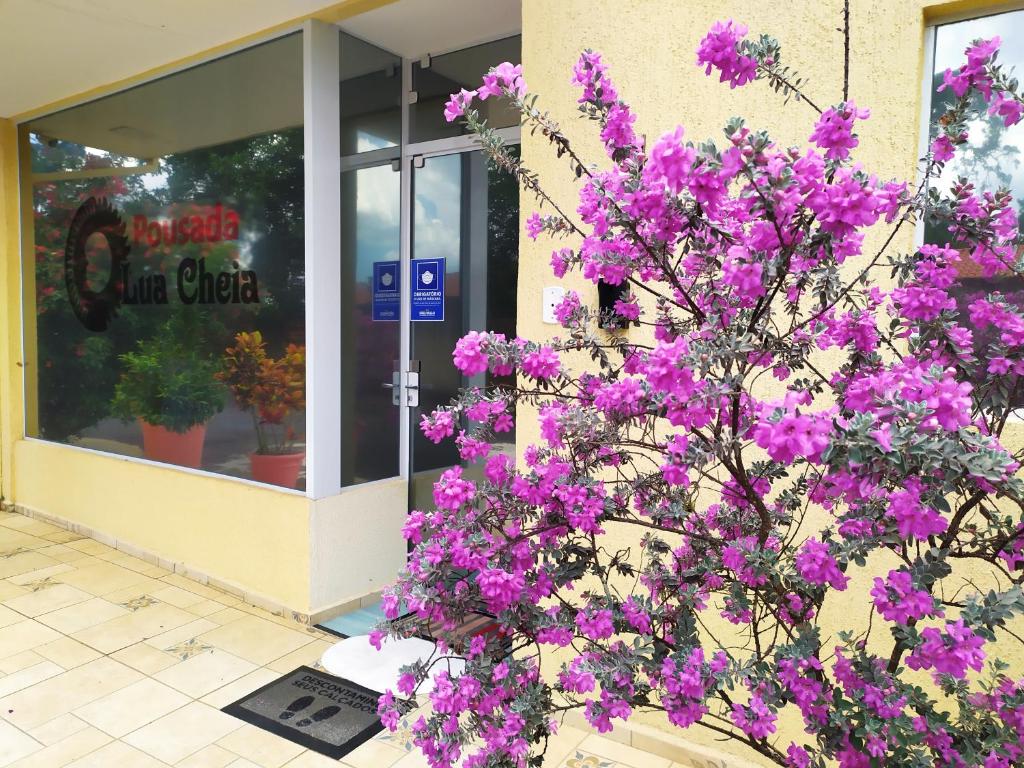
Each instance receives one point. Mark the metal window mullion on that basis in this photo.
(322, 167)
(405, 254)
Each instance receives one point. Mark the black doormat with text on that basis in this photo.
(312, 708)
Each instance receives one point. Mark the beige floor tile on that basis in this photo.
(102, 578)
(263, 748)
(208, 757)
(15, 744)
(62, 536)
(63, 553)
(80, 616)
(127, 630)
(66, 692)
(145, 658)
(46, 600)
(117, 754)
(227, 616)
(23, 636)
(29, 676)
(206, 607)
(9, 616)
(9, 590)
(181, 634)
(308, 654)
(177, 735)
(132, 707)
(89, 546)
(67, 652)
(373, 754)
(57, 730)
(190, 585)
(415, 759)
(19, 661)
(205, 672)
(256, 640)
(80, 744)
(72, 748)
(621, 753)
(50, 572)
(243, 763)
(30, 525)
(13, 539)
(563, 744)
(182, 598)
(310, 759)
(243, 686)
(23, 562)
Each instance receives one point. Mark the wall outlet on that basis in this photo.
(552, 297)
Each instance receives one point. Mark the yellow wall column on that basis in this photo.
(11, 420)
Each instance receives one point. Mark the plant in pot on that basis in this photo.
(271, 390)
(169, 385)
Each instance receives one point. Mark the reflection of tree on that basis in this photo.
(502, 252)
(260, 177)
(77, 370)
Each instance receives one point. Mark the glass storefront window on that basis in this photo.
(166, 267)
(451, 72)
(992, 158)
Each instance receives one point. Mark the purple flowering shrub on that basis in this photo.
(757, 481)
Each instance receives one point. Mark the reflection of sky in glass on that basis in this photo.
(1002, 165)
(377, 220)
(437, 215)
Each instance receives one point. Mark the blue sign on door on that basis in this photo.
(428, 289)
(387, 293)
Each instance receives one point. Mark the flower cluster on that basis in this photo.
(761, 479)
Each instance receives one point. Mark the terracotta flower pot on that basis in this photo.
(182, 448)
(277, 468)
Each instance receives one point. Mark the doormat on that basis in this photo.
(314, 709)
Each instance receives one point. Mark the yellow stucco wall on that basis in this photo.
(650, 47)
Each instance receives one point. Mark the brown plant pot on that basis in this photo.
(277, 468)
(182, 448)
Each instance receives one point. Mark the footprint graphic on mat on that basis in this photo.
(316, 717)
(296, 706)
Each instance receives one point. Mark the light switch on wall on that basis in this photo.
(552, 297)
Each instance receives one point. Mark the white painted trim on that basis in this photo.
(322, 161)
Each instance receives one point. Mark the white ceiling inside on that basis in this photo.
(54, 49)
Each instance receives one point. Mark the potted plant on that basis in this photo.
(171, 388)
(270, 390)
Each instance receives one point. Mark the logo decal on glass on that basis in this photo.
(95, 309)
(387, 296)
(428, 289)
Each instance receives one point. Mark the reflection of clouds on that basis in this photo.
(950, 42)
(378, 198)
(438, 209)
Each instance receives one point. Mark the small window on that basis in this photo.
(450, 73)
(992, 158)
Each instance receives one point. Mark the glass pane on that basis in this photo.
(448, 74)
(371, 97)
(169, 220)
(993, 157)
(370, 206)
(468, 214)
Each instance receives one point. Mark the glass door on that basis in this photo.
(468, 215)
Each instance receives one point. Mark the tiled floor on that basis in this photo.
(107, 661)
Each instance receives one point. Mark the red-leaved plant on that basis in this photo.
(751, 511)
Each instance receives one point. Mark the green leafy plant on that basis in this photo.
(169, 381)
